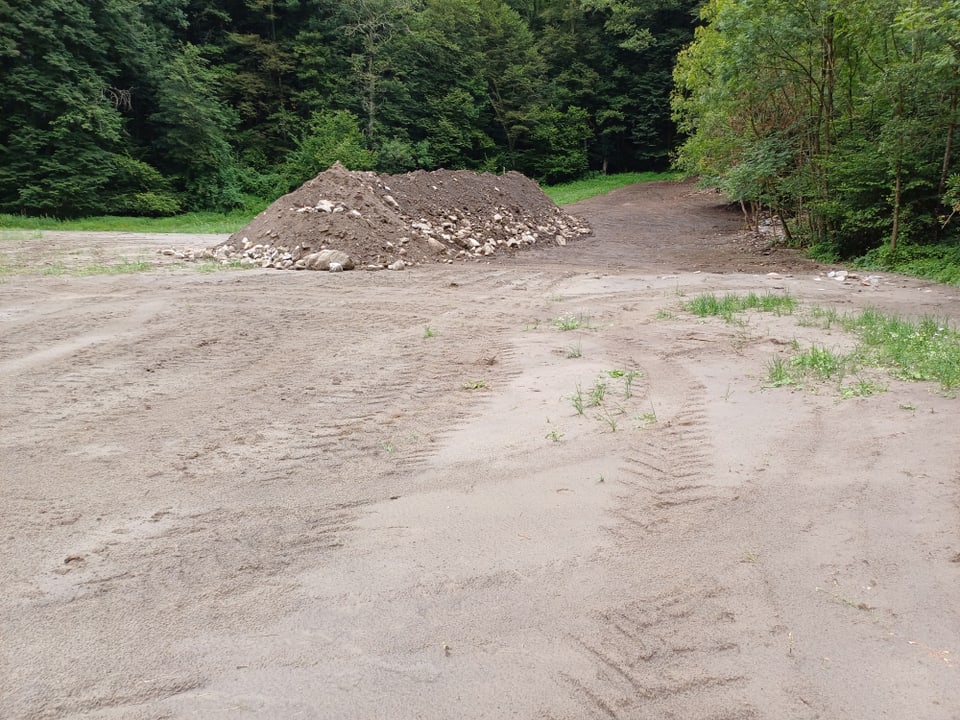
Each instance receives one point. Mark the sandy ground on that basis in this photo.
(263, 494)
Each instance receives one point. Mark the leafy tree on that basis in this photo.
(835, 112)
(329, 137)
(63, 147)
(193, 127)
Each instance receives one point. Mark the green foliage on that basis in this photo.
(560, 140)
(155, 108)
(838, 116)
(936, 261)
(63, 147)
(923, 350)
(194, 125)
(327, 138)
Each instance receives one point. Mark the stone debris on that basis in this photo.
(397, 221)
(846, 277)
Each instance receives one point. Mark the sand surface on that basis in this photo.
(267, 494)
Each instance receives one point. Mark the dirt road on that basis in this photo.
(263, 494)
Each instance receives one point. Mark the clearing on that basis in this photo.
(525, 486)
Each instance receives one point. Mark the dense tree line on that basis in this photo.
(839, 115)
(114, 106)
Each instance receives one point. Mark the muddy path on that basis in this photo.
(262, 494)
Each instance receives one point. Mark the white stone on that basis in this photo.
(324, 259)
(436, 245)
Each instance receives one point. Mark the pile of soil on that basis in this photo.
(394, 221)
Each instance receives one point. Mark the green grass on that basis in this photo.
(628, 376)
(726, 307)
(555, 434)
(194, 222)
(565, 323)
(924, 350)
(938, 261)
(822, 363)
(126, 267)
(928, 349)
(216, 266)
(56, 269)
(598, 392)
(577, 400)
(123, 268)
(571, 192)
(574, 351)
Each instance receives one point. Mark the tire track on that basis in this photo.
(671, 652)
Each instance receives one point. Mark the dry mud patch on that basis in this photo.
(274, 495)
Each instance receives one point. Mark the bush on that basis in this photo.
(328, 137)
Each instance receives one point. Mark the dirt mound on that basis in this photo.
(395, 221)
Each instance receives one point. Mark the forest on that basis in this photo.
(158, 107)
(838, 117)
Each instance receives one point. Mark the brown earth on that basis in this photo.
(399, 221)
(258, 494)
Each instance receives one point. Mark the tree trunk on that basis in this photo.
(897, 190)
(948, 145)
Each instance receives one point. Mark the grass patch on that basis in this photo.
(928, 349)
(819, 364)
(726, 307)
(475, 385)
(18, 234)
(565, 323)
(924, 350)
(628, 376)
(598, 392)
(824, 318)
(571, 192)
(123, 268)
(194, 222)
(555, 435)
(938, 261)
(822, 363)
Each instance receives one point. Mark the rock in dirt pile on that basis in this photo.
(343, 219)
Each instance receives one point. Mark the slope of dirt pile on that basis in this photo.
(399, 220)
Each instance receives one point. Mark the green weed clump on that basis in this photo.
(928, 349)
(925, 350)
(726, 307)
(566, 323)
